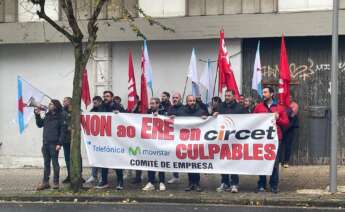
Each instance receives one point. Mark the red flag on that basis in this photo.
(143, 87)
(132, 91)
(226, 75)
(284, 76)
(85, 91)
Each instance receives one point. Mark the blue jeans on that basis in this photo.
(176, 175)
(67, 153)
(151, 176)
(274, 179)
(235, 179)
(50, 155)
(94, 172)
(119, 174)
(194, 179)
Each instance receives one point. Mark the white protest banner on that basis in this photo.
(229, 144)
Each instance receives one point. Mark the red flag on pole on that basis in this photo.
(143, 87)
(284, 76)
(226, 75)
(132, 91)
(85, 91)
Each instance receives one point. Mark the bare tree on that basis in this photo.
(82, 51)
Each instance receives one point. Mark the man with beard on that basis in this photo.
(214, 104)
(154, 109)
(193, 109)
(282, 120)
(165, 102)
(176, 109)
(136, 109)
(97, 107)
(110, 106)
(200, 103)
(229, 106)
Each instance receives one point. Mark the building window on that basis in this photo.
(163, 8)
(304, 5)
(8, 11)
(220, 7)
(27, 11)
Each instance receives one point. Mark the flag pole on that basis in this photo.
(35, 88)
(184, 90)
(151, 91)
(215, 81)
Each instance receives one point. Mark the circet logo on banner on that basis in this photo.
(228, 123)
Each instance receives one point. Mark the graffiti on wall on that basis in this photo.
(300, 71)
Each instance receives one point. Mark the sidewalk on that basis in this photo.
(299, 186)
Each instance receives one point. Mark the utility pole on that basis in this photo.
(334, 98)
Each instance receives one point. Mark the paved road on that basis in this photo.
(58, 207)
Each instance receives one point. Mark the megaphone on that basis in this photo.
(33, 103)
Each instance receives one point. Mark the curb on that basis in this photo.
(265, 201)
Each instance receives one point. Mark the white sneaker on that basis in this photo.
(162, 187)
(222, 187)
(174, 180)
(149, 187)
(90, 180)
(234, 189)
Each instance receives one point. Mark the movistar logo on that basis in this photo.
(134, 151)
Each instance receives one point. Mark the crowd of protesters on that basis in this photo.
(57, 121)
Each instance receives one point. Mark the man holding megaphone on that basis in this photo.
(53, 137)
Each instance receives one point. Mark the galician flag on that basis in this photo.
(147, 68)
(206, 81)
(193, 74)
(257, 74)
(27, 97)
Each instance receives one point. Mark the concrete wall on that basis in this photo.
(27, 11)
(163, 8)
(50, 68)
(169, 60)
(304, 5)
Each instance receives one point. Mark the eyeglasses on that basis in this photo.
(106, 96)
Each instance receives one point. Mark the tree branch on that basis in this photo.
(67, 6)
(41, 14)
(128, 17)
(152, 21)
(92, 29)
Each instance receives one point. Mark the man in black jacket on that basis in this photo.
(165, 102)
(66, 111)
(155, 110)
(110, 106)
(176, 109)
(136, 109)
(53, 138)
(200, 103)
(192, 109)
(229, 106)
(97, 107)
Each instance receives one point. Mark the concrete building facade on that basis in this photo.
(33, 49)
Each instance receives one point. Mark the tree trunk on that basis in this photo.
(76, 163)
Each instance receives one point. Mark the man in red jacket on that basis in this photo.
(282, 120)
